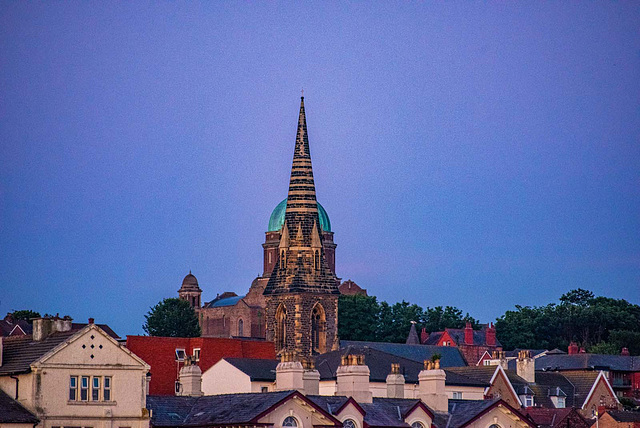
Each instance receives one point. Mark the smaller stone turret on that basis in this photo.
(190, 291)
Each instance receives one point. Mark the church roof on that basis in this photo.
(276, 221)
(227, 301)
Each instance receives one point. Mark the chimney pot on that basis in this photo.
(91, 320)
(625, 352)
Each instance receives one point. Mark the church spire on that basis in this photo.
(302, 189)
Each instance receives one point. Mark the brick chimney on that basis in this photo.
(190, 379)
(353, 379)
(526, 366)
(468, 334)
(625, 352)
(502, 359)
(45, 326)
(424, 335)
(573, 348)
(310, 378)
(490, 335)
(395, 382)
(289, 373)
(431, 386)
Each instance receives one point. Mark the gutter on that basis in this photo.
(17, 381)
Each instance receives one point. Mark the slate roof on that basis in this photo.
(457, 334)
(549, 418)
(7, 327)
(244, 409)
(18, 352)
(225, 409)
(256, 369)
(588, 362)
(515, 352)
(582, 382)
(546, 385)
(485, 373)
(379, 363)
(622, 416)
(76, 326)
(12, 412)
(461, 411)
(383, 412)
(450, 356)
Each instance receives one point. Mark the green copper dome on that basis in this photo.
(276, 221)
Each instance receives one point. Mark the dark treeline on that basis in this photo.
(599, 324)
(364, 318)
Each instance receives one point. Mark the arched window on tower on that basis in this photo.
(318, 329)
(317, 260)
(281, 327)
(240, 328)
(283, 261)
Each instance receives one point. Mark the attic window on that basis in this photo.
(349, 423)
(290, 421)
(417, 424)
(180, 354)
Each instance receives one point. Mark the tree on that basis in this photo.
(25, 314)
(600, 324)
(363, 318)
(172, 318)
(358, 319)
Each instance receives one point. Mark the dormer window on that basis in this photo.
(558, 398)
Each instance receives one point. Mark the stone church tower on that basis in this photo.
(302, 290)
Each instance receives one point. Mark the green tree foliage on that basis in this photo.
(363, 318)
(172, 318)
(357, 318)
(25, 314)
(600, 324)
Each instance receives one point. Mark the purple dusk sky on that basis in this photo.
(480, 155)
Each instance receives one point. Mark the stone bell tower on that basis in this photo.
(302, 290)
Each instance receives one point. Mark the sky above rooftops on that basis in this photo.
(474, 155)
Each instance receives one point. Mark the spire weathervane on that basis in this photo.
(302, 92)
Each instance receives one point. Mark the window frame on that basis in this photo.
(196, 354)
(456, 395)
(294, 419)
(73, 389)
(106, 390)
(353, 421)
(84, 389)
(180, 354)
(96, 383)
